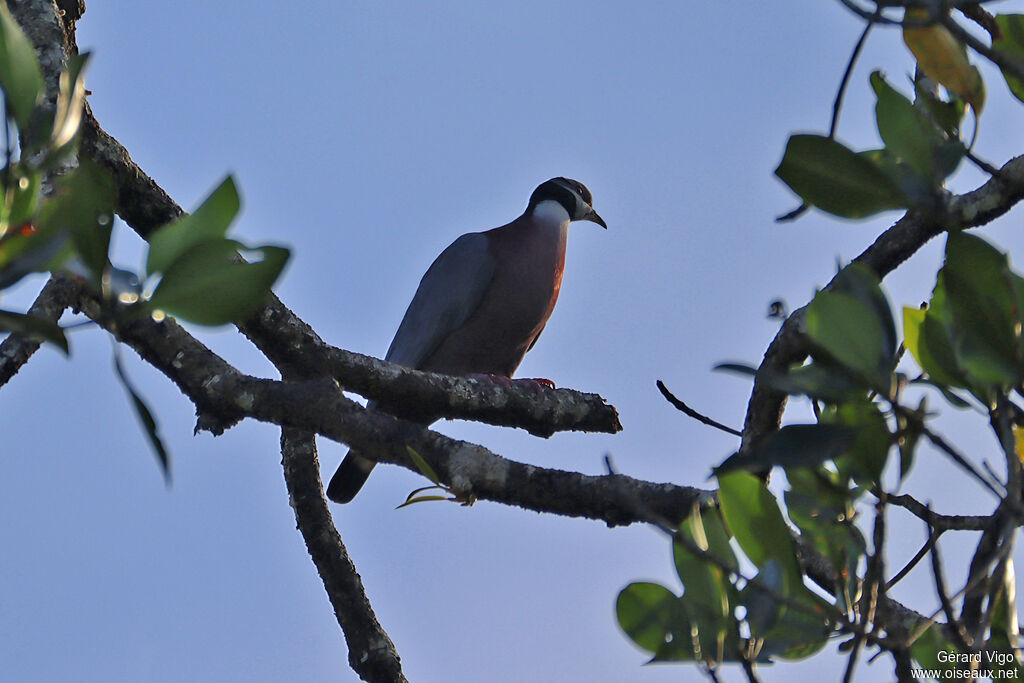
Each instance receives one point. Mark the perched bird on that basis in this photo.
(484, 301)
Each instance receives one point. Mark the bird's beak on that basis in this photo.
(594, 218)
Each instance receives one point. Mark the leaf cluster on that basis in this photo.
(57, 215)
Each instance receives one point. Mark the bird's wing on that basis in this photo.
(448, 294)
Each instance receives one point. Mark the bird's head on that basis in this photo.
(572, 195)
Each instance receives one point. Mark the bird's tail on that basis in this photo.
(349, 477)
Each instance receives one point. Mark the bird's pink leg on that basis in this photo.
(538, 380)
(533, 384)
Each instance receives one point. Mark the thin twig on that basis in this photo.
(996, 585)
(1001, 59)
(690, 412)
(941, 522)
(837, 104)
(959, 634)
(711, 672)
(794, 214)
(983, 18)
(1001, 424)
(874, 585)
(937, 440)
(993, 547)
(981, 163)
(748, 669)
(873, 16)
(922, 551)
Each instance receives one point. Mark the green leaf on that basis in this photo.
(651, 616)
(710, 535)
(917, 190)
(1010, 42)
(797, 634)
(927, 340)
(817, 380)
(981, 298)
(850, 332)
(910, 434)
(209, 285)
(830, 176)
(210, 221)
(762, 610)
(947, 114)
(827, 522)
(867, 455)
(805, 445)
(863, 284)
(925, 650)
(146, 418)
(86, 210)
(20, 76)
(28, 251)
(705, 583)
(752, 515)
(423, 465)
(831, 492)
(785, 631)
(905, 131)
(21, 200)
(35, 328)
(414, 497)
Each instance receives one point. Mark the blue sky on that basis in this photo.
(367, 136)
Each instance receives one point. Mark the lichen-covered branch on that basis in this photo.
(223, 396)
(371, 653)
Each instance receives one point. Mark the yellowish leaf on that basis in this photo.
(943, 59)
(1018, 442)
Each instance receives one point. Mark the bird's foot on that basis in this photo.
(533, 384)
(537, 382)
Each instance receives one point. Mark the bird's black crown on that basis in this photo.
(564, 191)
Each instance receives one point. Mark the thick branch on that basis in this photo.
(140, 202)
(44, 27)
(41, 22)
(223, 396)
(289, 342)
(414, 394)
(371, 653)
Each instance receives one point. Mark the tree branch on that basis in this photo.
(941, 522)
(427, 396)
(53, 300)
(223, 396)
(371, 654)
(142, 203)
(894, 246)
(690, 412)
(1005, 62)
(289, 342)
(45, 27)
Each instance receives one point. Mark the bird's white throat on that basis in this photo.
(550, 212)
